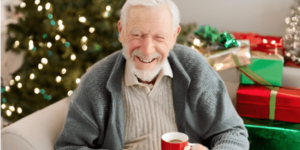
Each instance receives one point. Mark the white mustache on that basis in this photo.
(140, 54)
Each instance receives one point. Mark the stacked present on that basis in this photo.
(271, 112)
(262, 96)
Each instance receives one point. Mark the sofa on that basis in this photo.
(40, 130)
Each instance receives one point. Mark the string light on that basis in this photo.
(196, 42)
(60, 22)
(61, 27)
(265, 41)
(17, 78)
(41, 44)
(63, 40)
(47, 6)
(8, 113)
(32, 76)
(19, 85)
(82, 19)
(40, 8)
(22, 5)
(36, 90)
(63, 71)
(16, 44)
(70, 93)
(108, 8)
(30, 45)
(84, 39)
(19, 110)
(92, 29)
(273, 42)
(40, 66)
(44, 61)
(12, 108)
(106, 14)
(84, 47)
(37, 2)
(49, 44)
(7, 88)
(73, 57)
(77, 80)
(58, 79)
(57, 37)
(12, 82)
(3, 106)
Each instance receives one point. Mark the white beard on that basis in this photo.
(145, 75)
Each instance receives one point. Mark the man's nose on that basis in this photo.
(147, 46)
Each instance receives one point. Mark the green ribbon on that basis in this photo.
(207, 33)
(227, 40)
(257, 79)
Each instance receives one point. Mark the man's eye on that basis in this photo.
(159, 37)
(136, 35)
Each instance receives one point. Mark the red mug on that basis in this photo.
(174, 141)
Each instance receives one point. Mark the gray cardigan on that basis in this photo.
(203, 109)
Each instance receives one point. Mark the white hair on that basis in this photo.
(169, 3)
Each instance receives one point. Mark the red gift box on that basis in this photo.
(267, 44)
(254, 101)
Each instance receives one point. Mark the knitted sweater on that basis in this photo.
(203, 109)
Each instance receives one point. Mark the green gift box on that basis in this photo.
(268, 67)
(272, 135)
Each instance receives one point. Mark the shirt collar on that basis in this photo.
(131, 79)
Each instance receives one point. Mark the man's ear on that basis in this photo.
(176, 33)
(120, 31)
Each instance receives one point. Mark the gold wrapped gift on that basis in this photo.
(223, 59)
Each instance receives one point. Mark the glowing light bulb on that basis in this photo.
(44, 61)
(273, 42)
(57, 37)
(32, 76)
(106, 14)
(63, 40)
(36, 90)
(7, 88)
(196, 42)
(60, 22)
(70, 93)
(84, 39)
(3, 106)
(108, 8)
(16, 44)
(61, 27)
(22, 5)
(37, 2)
(17, 78)
(40, 8)
(30, 47)
(265, 41)
(58, 79)
(47, 6)
(12, 108)
(19, 110)
(84, 47)
(77, 80)
(64, 71)
(92, 29)
(40, 66)
(12, 82)
(73, 57)
(82, 19)
(19, 85)
(8, 113)
(49, 44)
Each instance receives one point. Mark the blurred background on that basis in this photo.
(47, 45)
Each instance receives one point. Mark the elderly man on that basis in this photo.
(151, 87)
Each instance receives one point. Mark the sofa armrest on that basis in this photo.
(37, 131)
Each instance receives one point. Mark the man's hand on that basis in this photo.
(196, 147)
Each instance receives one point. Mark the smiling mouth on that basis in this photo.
(146, 61)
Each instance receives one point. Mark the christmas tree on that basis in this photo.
(292, 37)
(60, 40)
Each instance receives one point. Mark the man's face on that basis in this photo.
(148, 36)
